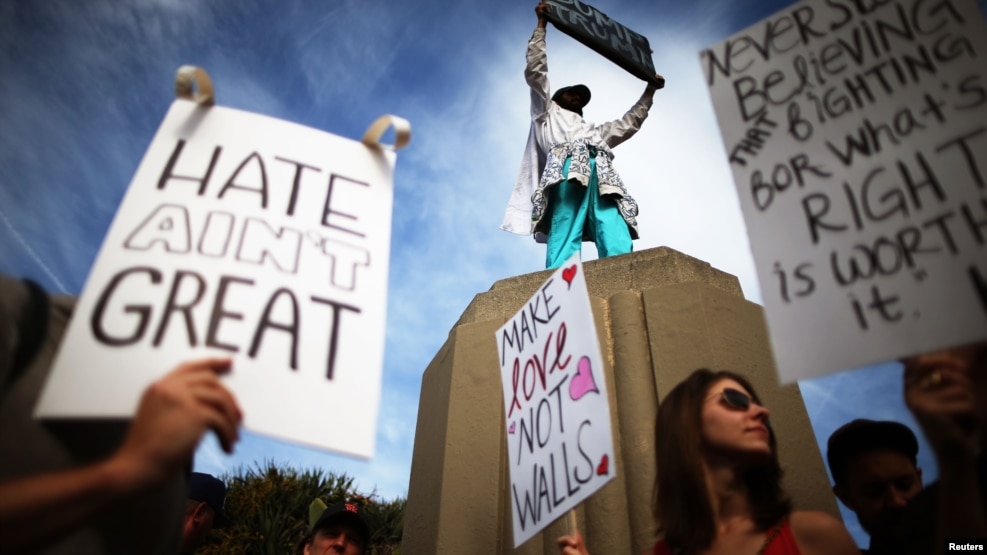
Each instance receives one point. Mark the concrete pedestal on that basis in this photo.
(660, 315)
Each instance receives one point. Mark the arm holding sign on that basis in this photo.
(88, 483)
(572, 544)
(536, 68)
(618, 131)
(947, 393)
(173, 415)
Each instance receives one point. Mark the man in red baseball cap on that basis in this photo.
(341, 529)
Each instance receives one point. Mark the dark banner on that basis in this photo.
(596, 30)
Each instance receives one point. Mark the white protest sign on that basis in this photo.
(246, 236)
(559, 440)
(857, 136)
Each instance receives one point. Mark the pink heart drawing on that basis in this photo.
(583, 382)
(511, 429)
(604, 467)
(568, 274)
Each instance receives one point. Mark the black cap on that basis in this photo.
(581, 90)
(862, 436)
(209, 490)
(342, 512)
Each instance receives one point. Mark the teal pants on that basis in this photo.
(575, 208)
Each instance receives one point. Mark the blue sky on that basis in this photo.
(83, 87)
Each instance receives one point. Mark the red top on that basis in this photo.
(780, 541)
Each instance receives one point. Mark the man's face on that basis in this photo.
(198, 524)
(571, 101)
(338, 538)
(878, 486)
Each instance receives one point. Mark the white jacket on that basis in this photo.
(561, 130)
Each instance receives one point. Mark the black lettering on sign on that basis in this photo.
(328, 212)
(885, 306)
(764, 185)
(259, 174)
(803, 284)
(168, 173)
(604, 36)
(778, 35)
(879, 197)
(881, 53)
(753, 141)
(142, 311)
(337, 311)
(962, 144)
(977, 222)
(169, 228)
(251, 176)
(193, 304)
(979, 285)
(546, 491)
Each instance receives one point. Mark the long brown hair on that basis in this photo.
(681, 498)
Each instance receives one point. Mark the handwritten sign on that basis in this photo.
(245, 236)
(555, 399)
(604, 36)
(857, 136)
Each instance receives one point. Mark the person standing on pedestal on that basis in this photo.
(568, 191)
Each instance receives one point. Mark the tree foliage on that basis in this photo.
(267, 511)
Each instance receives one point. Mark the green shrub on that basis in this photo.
(267, 511)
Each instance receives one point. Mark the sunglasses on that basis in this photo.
(737, 399)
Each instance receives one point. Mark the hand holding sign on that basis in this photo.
(572, 544)
(657, 83)
(174, 413)
(542, 9)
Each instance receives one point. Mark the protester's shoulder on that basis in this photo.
(820, 532)
(16, 316)
(13, 294)
(916, 530)
(659, 548)
(813, 522)
(31, 321)
(924, 504)
(62, 306)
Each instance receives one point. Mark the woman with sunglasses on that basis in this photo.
(718, 489)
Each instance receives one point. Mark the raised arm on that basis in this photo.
(536, 70)
(618, 131)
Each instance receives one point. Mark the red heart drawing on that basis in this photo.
(604, 466)
(568, 274)
(511, 429)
